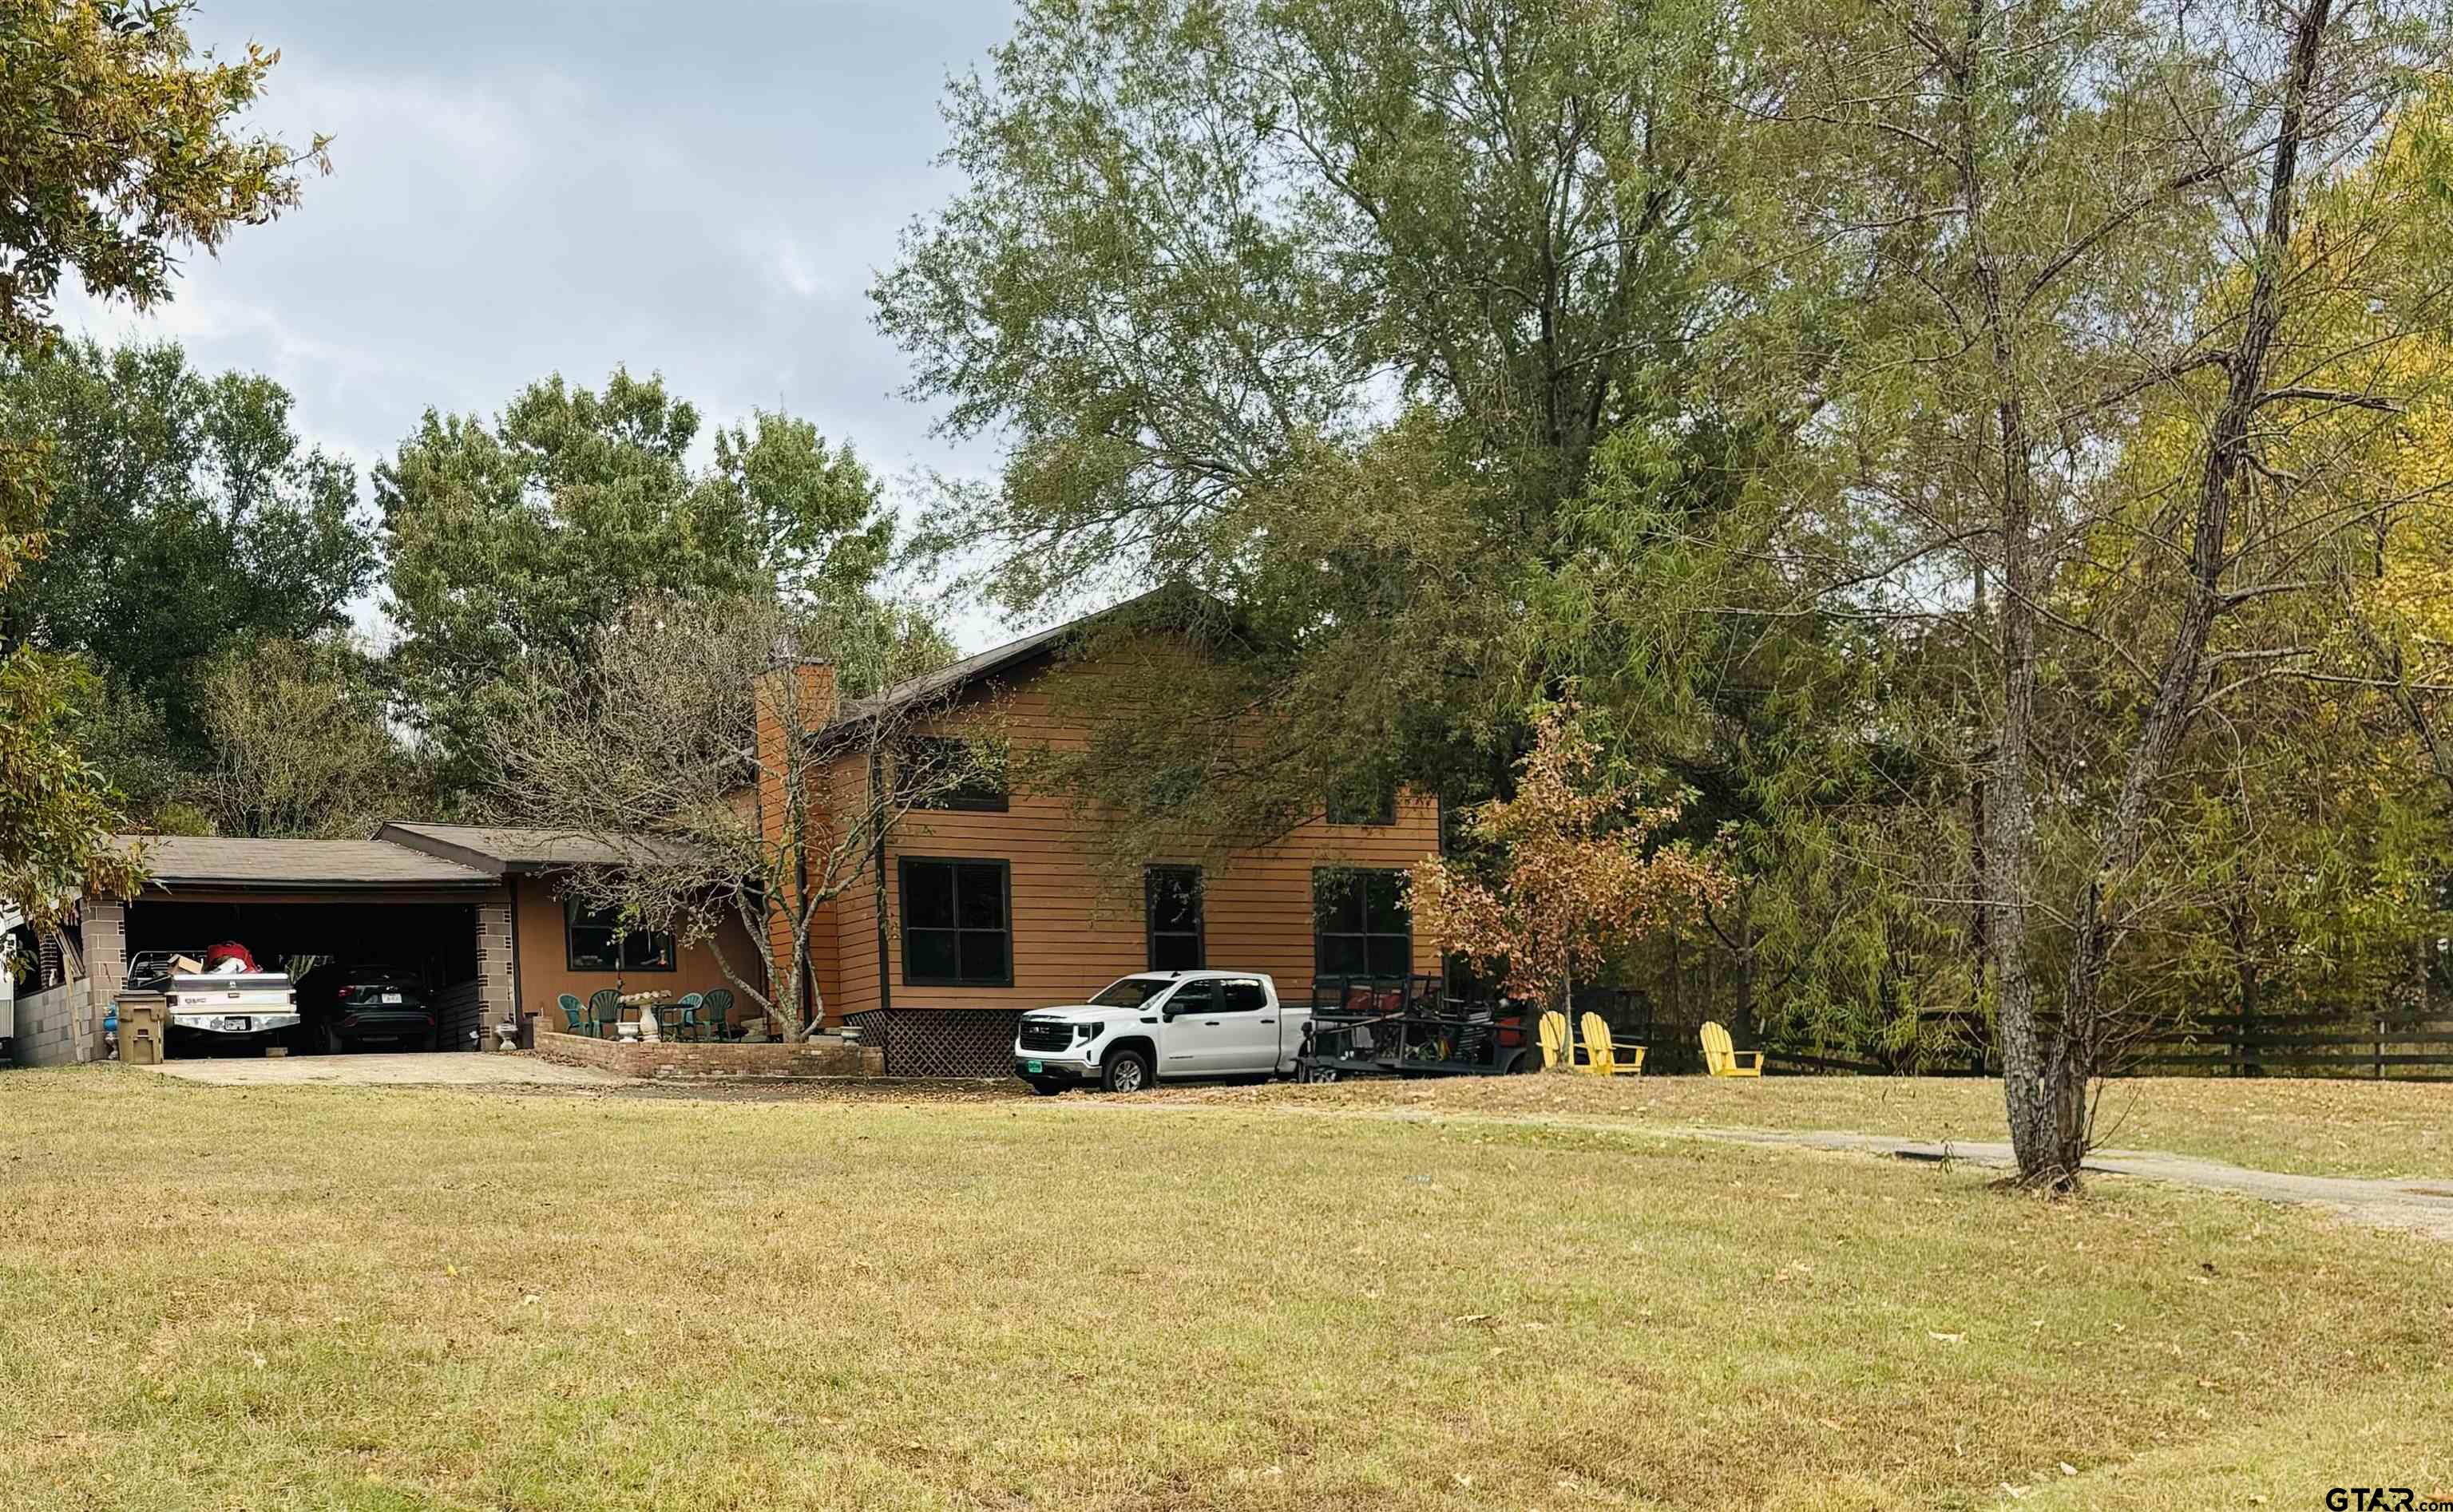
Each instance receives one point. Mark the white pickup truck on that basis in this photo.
(223, 1008)
(1160, 1024)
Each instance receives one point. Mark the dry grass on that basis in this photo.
(2309, 1128)
(390, 1300)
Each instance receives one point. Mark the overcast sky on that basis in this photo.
(527, 187)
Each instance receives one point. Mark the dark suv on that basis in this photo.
(341, 1006)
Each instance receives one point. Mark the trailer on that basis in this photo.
(1406, 1026)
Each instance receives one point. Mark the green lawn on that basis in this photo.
(309, 1297)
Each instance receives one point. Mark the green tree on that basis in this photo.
(1324, 308)
(300, 744)
(117, 147)
(524, 537)
(2073, 226)
(184, 514)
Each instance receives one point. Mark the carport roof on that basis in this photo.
(202, 861)
(497, 849)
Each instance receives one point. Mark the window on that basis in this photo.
(1194, 997)
(932, 771)
(1241, 995)
(597, 940)
(957, 929)
(1366, 801)
(1359, 925)
(1171, 902)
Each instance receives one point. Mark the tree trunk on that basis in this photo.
(2099, 928)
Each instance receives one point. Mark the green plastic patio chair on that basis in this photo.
(572, 1013)
(605, 1011)
(717, 1006)
(686, 1020)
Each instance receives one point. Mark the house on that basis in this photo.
(991, 899)
(474, 910)
(978, 905)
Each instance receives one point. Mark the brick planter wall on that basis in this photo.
(822, 1056)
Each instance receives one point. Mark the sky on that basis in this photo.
(528, 187)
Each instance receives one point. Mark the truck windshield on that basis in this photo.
(1131, 992)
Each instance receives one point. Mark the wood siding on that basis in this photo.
(545, 971)
(1077, 912)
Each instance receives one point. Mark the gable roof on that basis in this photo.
(224, 862)
(1012, 656)
(504, 849)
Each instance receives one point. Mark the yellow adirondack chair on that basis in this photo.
(1721, 1059)
(1608, 1057)
(1556, 1051)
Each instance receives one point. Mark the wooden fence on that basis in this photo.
(2402, 1044)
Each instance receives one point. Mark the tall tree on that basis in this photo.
(184, 514)
(523, 538)
(1323, 307)
(2068, 215)
(117, 147)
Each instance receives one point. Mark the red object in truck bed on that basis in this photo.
(229, 950)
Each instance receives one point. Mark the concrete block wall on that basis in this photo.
(496, 999)
(48, 1024)
(104, 937)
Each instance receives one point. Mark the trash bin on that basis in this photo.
(142, 1019)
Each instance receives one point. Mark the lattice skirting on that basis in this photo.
(940, 1041)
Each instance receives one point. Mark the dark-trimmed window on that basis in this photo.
(934, 772)
(1171, 903)
(597, 940)
(1359, 925)
(957, 923)
(1362, 803)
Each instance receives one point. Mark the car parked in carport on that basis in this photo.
(367, 1003)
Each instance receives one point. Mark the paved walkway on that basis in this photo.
(2423, 1206)
(439, 1070)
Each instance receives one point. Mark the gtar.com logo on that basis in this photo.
(2386, 1499)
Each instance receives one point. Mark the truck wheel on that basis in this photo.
(1126, 1071)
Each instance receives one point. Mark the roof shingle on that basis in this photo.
(199, 860)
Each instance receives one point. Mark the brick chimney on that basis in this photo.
(791, 698)
(799, 696)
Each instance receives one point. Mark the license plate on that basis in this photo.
(232, 1026)
(1034, 1066)
(391, 997)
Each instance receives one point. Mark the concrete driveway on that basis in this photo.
(446, 1068)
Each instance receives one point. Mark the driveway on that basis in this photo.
(447, 1069)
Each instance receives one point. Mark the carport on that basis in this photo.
(297, 903)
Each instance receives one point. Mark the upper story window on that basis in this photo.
(597, 940)
(1362, 803)
(935, 771)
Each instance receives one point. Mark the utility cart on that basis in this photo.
(1407, 1026)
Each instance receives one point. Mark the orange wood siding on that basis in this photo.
(1077, 923)
(545, 957)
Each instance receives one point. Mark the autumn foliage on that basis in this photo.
(1579, 871)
